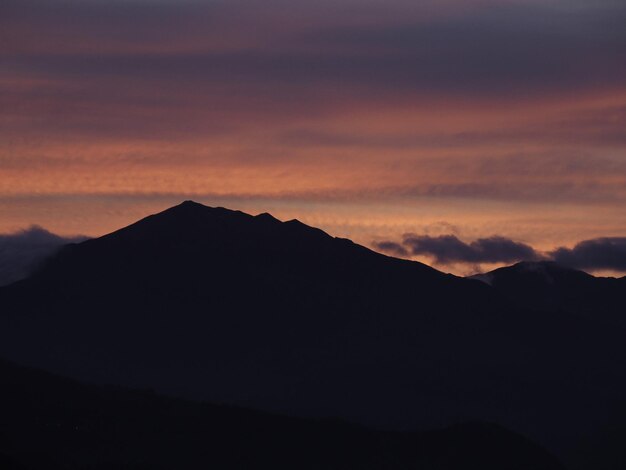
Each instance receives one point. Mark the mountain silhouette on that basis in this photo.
(49, 422)
(547, 286)
(217, 305)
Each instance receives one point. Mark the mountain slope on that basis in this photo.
(218, 305)
(548, 286)
(49, 422)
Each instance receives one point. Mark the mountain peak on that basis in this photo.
(266, 216)
(543, 273)
(190, 203)
(549, 271)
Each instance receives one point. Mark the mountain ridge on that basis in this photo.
(547, 285)
(218, 305)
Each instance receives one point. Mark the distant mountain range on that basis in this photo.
(217, 305)
(548, 286)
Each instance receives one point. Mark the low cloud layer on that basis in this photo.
(22, 251)
(607, 253)
(450, 249)
(599, 253)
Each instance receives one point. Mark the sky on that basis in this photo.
(463, 133)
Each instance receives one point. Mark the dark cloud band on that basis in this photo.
(449, 249)
(599, 253)
(595, 254)
(512, 49)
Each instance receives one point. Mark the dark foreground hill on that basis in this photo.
(212, 304)
(53, 423)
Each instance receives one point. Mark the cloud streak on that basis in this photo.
(510, 48)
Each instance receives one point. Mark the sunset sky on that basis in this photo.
(396, 123)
